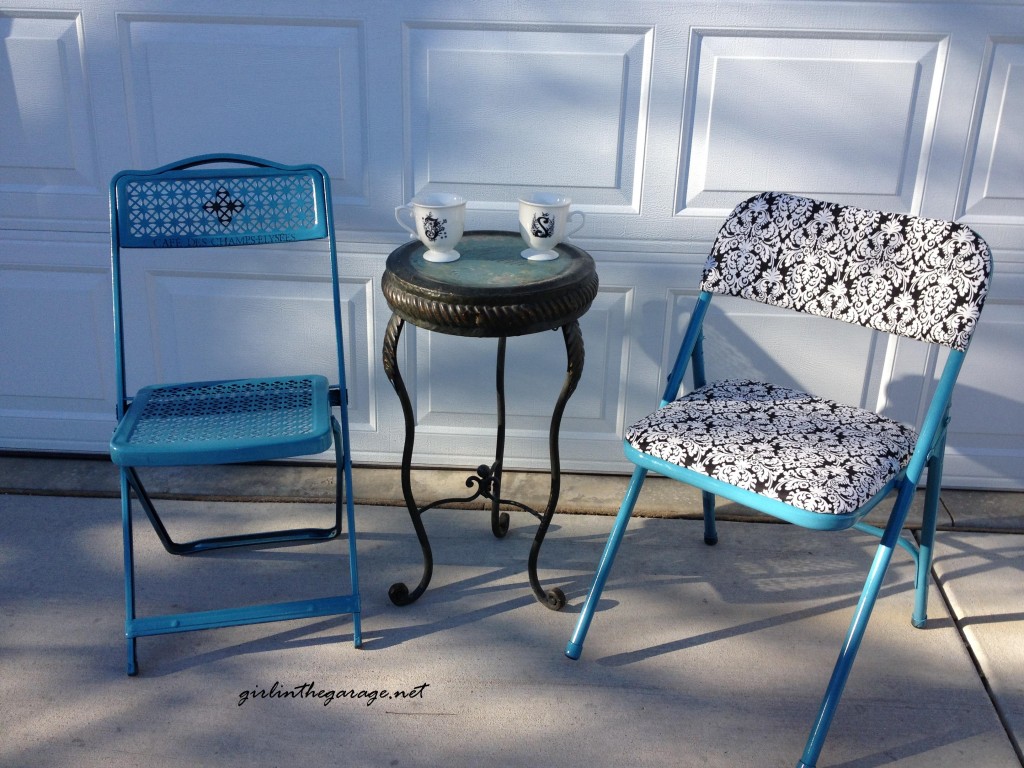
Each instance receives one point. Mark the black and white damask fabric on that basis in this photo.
(921, 278)
(809, 452)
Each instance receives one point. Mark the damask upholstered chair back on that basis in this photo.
(796, 455)
(921, 278)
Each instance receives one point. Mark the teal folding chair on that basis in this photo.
(805, 459)
(214, 201)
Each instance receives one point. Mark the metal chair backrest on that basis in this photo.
(214, 201)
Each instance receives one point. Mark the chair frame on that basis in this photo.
(327, 398)
(927, 454)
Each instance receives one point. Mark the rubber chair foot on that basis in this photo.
(573, 650)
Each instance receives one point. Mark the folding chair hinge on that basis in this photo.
(334, 396)
(938, 444)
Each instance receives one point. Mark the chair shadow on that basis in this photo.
(783, 577)
(644, 545)
(956, 732)
(374, 549)
(632, 657)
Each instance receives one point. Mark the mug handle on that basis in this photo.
(578, 227)
(409, 224)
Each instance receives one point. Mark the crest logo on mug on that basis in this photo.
(433, 227)
(436, 219)
(543, 225)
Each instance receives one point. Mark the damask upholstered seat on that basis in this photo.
(799, 456)
(809, 452)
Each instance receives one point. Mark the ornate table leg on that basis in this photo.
(499, 519)
(399, 592)
(554, 598)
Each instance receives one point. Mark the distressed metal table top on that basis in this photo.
(491, 290)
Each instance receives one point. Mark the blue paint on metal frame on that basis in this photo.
(195, 203)
(928, 452)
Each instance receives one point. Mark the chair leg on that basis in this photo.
(847, 654)
(357, 632)
(343, 464)
(924, 548)
(858, 625)
(136, 627)
(710, 532)
(129, 572)
(575, 645)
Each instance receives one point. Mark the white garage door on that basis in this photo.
(655, 117)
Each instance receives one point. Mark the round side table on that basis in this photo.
(491, 291)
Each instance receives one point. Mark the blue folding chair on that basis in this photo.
(805, 459)
(215, 201)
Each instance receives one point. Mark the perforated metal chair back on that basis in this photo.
(221, 201)
(796, 455)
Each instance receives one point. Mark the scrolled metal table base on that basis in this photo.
(487, 480)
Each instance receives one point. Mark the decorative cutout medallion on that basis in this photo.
(224, 207)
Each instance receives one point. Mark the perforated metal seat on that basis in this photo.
(217, 201)
(215, 422)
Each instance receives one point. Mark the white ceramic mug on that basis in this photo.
(543, 223)
(437, 219)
